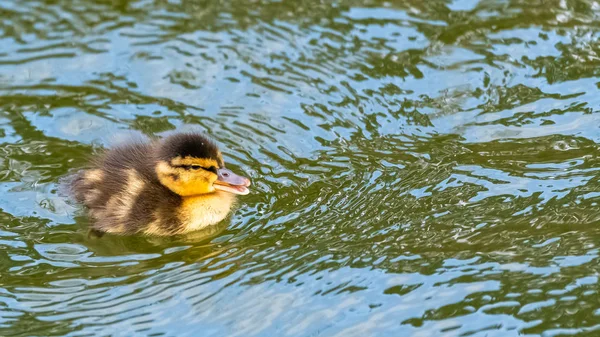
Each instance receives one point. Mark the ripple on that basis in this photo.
(419, 168)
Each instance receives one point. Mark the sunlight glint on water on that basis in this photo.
(420, 168)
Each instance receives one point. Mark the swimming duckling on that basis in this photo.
(165, 187)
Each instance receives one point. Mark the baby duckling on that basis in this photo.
(165, 187)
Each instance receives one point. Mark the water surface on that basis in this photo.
(420, 168)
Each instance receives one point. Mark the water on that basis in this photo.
(420, 168)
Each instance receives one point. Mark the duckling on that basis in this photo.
(169, 186)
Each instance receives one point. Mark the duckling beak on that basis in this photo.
(230, 182)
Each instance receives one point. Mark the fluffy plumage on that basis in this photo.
(165, 187)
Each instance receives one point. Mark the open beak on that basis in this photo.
(231, 182)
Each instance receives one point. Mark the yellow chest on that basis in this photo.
(202, 211)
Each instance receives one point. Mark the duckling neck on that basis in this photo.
(203, 210)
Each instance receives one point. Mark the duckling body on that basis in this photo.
(165, 187)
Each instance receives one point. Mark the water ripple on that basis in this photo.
(419, 168)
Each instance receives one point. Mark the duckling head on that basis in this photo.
(191, 165)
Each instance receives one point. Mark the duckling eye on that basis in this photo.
(198, 167)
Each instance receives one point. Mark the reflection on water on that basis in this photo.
(421, 168)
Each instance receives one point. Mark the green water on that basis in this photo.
(420, 168)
